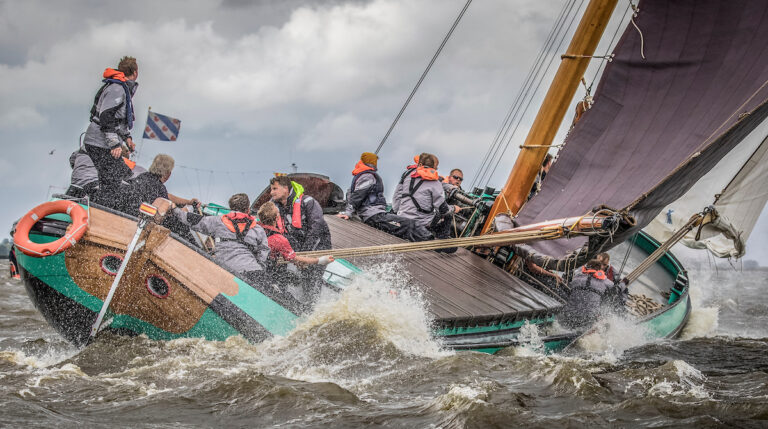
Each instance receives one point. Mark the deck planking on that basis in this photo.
(460, 288)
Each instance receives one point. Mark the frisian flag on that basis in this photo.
(161, 127)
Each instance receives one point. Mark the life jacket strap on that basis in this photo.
(412, 188)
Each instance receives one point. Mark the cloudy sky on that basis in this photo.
(259, 85)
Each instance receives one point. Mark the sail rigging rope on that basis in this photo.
(530, 100)
(534, 70)
(423, 75)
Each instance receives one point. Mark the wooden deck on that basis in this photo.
(462, 289)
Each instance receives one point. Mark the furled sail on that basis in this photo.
(661, 123)
(736, 187)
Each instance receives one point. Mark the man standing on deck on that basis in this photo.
(365, 198)
(110, 123)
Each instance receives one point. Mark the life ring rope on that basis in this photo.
(80, 222)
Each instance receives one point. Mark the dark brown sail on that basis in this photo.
(660, 123)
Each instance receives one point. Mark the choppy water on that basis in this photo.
(366, 359)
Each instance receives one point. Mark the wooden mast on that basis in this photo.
(553, 109)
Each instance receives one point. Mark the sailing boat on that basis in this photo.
(658, 125)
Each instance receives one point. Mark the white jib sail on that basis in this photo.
(741, 179)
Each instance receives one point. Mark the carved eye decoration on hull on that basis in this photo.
(158, 286)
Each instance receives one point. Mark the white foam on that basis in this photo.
(613, 336)
(384, 298)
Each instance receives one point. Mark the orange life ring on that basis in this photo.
(79, 225)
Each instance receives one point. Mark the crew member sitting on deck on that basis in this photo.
(365, 198)
(300, 215)
(592, 295)
(397, 194)
(149, 186)
(241, 244)
(422, 199)
(453, 180)
(278, 244)
(110, 123)
(85, 178)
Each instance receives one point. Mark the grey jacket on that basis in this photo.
(358, 197)
(589, 299)
(83, 170)
(229, 252)
(109, 127)
(429, 196)
(399, 188)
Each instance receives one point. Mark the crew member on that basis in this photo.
(85, 179)
(300, 215)
(110, 123)
(422, 199)
(241, 244)
(455, 178)
(149, 186)
(605, 260)
(592, 294)
(399, 187)
(278, 244)
(365, 197)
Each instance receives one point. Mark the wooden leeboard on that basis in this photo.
(460, 287)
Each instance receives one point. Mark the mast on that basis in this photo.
(553, 109)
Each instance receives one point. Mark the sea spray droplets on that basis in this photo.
(387, 299)
(376, 326)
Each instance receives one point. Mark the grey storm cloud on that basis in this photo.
(259, 85)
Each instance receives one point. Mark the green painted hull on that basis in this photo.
(71, 310)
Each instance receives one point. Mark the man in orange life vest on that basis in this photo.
(300, 215)
(110, 125)
(365, 198)
(592, 294)
(396, 196)
(241, 244)
(422, 199)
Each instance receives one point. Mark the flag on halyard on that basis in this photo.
(161, 127)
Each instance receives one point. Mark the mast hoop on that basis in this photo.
(576, 56)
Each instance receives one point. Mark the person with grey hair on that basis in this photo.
(148, 186)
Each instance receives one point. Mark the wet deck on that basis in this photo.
(461, 288)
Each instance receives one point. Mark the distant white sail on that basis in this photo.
(742, 176)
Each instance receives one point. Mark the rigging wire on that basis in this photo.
(423, 75)
(520, 118)
(479, 173)
(538, 70)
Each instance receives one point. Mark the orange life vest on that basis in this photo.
(239, 223)
(598, 274)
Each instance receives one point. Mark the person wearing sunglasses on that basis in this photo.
(455, 178)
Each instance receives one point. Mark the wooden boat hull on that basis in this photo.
(205, 300)
(169, 290)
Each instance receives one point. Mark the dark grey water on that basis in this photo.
(367, 360)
